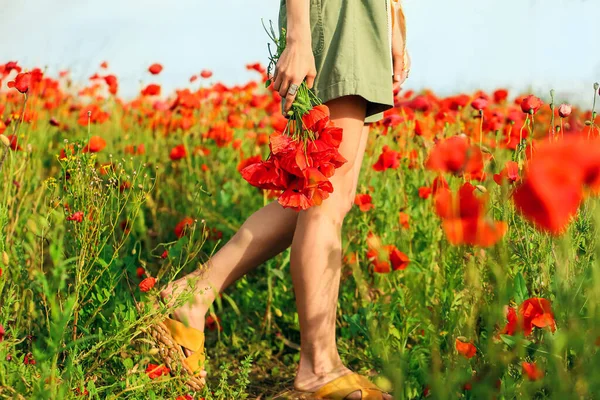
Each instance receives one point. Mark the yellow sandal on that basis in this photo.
(339, 389)
(172, 336)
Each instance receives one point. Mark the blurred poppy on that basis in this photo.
(155, 69)
(468, 350)
(180, 228)
(532, 371)
(364, 202)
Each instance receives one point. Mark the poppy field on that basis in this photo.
(470, 257)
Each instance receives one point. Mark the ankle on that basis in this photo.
(319, 360)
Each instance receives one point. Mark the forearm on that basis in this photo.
(400, 21)
(298, 21)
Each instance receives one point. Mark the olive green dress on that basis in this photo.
(351, 42)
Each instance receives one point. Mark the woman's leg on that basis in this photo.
(263, 235)
(316, 258)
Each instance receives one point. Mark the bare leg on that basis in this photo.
(316, 258)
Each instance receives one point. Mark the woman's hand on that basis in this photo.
(297, 60)
(296, 63)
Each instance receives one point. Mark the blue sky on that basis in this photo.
(457, 45)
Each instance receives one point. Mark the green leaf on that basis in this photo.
(521, 292)
(268, 83)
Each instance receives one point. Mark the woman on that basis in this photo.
(351, 56)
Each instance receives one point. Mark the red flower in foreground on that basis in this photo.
(156, 371)
(95, 145)
(466, 349)
(182, 225)
(178, 152)
(155, 69)
(532, 371)
(185, 397)
(537, 312)
(364, 202)
(76, 216)
(147, 284)
(206, 73)
(463, 218)
(22, 82)
(455, 155)
(552, 191)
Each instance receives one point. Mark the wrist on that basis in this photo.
(298, 36)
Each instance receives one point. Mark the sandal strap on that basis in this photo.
(340, 388)
(195, 362)
(190, 338)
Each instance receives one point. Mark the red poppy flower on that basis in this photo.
(466, 349)
(398, 259)
(537, 312)
(206, 73)
(22, 82)
(180, 228)
(532, 371)
(2, 333)
(512, 323)
(140, 272)
(479, 104)
(155, 69)
(147, 284)
(388, 159)
(104, 65)
(28, 359)
(403, 220)
(510, 173)
(455, 155)
(165, 254)
(112, 83)
(11, 141)
(266, 175)
(151, 90)
(248, 161)
(156, 371)
(531, 104)
(178, 152)
(500, 95)
(77, 217)
(317, 118)
(463, 219)
(295, 197)
(95, 145)
(364, 202)
(425, 192)
(552, 191)
(564, 110)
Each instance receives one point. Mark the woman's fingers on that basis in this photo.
(290, 96)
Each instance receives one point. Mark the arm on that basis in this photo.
(297, 60)
(399, 53)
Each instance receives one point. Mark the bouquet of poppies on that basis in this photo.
(305, 154)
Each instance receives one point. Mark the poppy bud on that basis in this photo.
(564, 110)
(596, 86)
(5, 258)
(4, 140)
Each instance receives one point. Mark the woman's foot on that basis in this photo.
(192, 313)
(314, 374)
